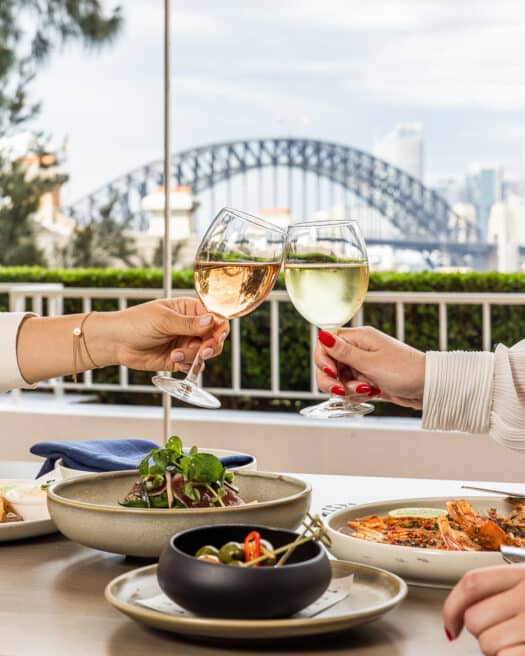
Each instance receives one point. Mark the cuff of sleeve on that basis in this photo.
(11, 377)
(458, 391)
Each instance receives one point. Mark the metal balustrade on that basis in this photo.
(34, 295)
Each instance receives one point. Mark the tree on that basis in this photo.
(30, 31)
(102, 242)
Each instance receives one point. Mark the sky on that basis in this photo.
(340, 70)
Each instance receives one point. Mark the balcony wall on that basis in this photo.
(373, 446)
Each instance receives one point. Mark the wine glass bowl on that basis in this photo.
(236, 266)
(326, 274)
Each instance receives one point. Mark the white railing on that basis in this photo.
(22, 295)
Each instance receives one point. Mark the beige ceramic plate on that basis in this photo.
(432, 567)
(86, 510)
(374, 592)
(24, 529)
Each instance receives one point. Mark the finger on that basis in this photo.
(325, 364)
(342, 351)
(517, 650)
(475, 586)
(326, 382)
(360, 388)
(212, 347)
(495, 610)
(507, 634)
(186, 350)
(193, 325)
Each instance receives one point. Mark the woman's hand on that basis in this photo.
(490, 603)
(365, 362)
(162, 335)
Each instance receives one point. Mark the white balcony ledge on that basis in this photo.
(367, 446)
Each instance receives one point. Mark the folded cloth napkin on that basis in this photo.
(107, 455)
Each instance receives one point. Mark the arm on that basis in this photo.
(160, 335)
(476, 392)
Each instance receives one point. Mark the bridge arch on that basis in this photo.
(415, 210)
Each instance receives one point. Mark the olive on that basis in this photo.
(231, 551)
(267, 548)
(236, 563)
(207, 550)
(209, 558)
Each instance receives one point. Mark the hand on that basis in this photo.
(365, 361)
(490, 603)
(163, 335)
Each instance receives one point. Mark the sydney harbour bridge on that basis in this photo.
(306, 176)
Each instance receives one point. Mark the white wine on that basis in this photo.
(233, 289)
(327, 295)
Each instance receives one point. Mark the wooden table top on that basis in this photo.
(52, 602)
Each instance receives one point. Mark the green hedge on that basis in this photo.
(421, 322)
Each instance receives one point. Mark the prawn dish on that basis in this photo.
(460, 528)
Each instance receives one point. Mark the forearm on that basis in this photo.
(45, 345)
(458, 391)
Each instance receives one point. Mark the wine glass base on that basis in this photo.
(336, 408)
(186, 391)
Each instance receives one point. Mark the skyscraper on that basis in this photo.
(486, 188)
(403, 147)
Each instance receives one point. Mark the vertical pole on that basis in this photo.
(166, 398)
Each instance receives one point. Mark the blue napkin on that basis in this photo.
(107, 455)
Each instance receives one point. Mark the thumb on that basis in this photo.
(190, 325)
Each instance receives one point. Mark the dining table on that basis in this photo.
(52, 594)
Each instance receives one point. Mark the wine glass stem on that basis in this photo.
(195, 369)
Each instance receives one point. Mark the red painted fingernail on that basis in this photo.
(338, 389)
(330, 372)
(326, 338)
(448, 634)
(363, 389)
(375, 391)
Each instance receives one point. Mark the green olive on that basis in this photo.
(231, 551)
(267, 548)
(236, 563)
(207, 550)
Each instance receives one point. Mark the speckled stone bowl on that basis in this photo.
(86, 510)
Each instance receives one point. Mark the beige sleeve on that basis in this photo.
(10, 376)
(477, 393)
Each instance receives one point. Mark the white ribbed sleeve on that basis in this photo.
(477, 393)
(10, 376)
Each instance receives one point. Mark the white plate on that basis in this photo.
(23, 529)
(431, 567)
(374, 592)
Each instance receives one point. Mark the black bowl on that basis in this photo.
(217, 590)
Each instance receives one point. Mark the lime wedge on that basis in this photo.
(417, 512)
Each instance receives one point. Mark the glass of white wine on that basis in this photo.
(236, 266)
(326, 274)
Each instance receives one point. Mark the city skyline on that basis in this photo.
(256, 72)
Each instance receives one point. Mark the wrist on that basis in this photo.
(101, 332)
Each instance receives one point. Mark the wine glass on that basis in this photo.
(236, 266)
(326, 274)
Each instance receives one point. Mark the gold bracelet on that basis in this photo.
(79, 339)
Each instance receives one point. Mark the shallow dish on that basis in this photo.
(68, 472)
(26, 528)
(431, 567)
(86, 510)
(217, 590)
(374, 593)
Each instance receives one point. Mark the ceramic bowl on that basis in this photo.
(431, 567)
(86, 510)
(217, 590)
(68, 472)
